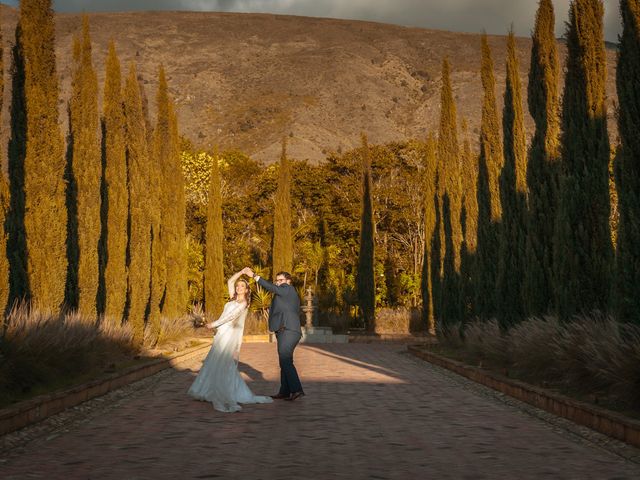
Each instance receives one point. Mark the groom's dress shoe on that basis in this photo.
(295, 396)
(281, 396)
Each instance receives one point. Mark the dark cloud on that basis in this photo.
(494, 16)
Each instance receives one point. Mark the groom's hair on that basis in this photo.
(286, 275)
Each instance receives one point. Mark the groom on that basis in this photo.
(284, 320)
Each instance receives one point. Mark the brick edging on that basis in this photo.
(604, 421)
(388, 338)
(38, 408)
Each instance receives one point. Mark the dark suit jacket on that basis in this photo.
(285, 306)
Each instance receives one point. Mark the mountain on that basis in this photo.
(246, 80)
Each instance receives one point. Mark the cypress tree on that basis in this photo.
(431, 200)
(583, 250)
(450, 198)
(85, 171)
(542, 164)
(214, 283)
(365, 280)
(161, 152)
(628, 165)
(116, 196)
(469, 224)
(489, 208)
(4, 211)
(4, 261)
(16, 241)
(512, 196)
(451, 311)
(176, 224)
(45, 214)
(282, 239)
(449, 158)
(469, 227)
(139, 221)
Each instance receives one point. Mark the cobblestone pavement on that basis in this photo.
(371, 411)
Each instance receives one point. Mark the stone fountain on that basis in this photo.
(312, 333)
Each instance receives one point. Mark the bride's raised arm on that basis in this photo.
(231, 283)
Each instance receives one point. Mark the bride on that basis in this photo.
(219, 381)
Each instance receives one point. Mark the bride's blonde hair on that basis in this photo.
(247, 295)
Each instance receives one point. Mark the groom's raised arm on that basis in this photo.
(268, 286)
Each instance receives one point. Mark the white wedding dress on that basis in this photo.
(219, 380)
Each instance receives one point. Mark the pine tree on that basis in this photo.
(365, 275)
(628, 165)
(583, 250)
(85, 172)
(115, 195)
(431, 200)
(282, 239)
(43, 164)
(214, 291)
(489, 208)
(542, 167)
(513, 187)
(139, 244)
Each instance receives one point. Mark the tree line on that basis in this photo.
(93, 223)
(534, 235)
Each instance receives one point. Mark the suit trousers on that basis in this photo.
(289, 380)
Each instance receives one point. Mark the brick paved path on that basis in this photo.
(371, 411)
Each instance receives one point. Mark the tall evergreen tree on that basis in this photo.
(468, 224)
(115, 194)
(542, 167)
(449, 157)
(85, 173)
(582, 249)
(4, 211)
(628, 165)
(513, 190)
(450, 189)
(16, 239)
(450, 301)
(431, 199)
(43, 163)
(366, 274)
(139, 244)
(4, 261)
(214, 291)
(176, 223)
(282, 239)
(489, 208)
(161, 153)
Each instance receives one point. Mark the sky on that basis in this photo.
(494, 16)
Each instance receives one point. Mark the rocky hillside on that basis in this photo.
(247, 80)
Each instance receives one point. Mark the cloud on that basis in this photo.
(494, 16)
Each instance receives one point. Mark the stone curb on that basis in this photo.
(38, 408)
(391, 338)
(604, 421)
